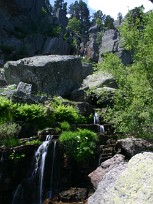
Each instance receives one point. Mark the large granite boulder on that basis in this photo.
(106, 186)
(95, 87)
(127, 183)
(52, 74)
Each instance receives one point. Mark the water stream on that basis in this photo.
(44, 169)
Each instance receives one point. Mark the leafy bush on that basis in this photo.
(16, 156)
(79, 144)
(65, 125)
(34, 114)
(66, 113)
(33, 142)
(5, 110)
(8, 133)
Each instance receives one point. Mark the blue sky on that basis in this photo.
(113, 7)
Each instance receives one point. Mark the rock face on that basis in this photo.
(92, 51)
(25, 29)
(127, 183)
(54, 75)
(111, 43)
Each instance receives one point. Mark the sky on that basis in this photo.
(113, 7)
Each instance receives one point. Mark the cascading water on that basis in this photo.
(97, 121)
(40, 158)
(96, 118)
(102, 129)
(45, 177)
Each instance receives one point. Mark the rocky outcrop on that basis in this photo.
(25, 29)
(92, 51)
(54, 75)
(132, 146)
(111, 43)
(55, 46)
(127, 183)
(96, 85)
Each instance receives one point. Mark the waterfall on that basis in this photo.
(45, 178)
(40, 156)
(97, 121)
(102, 129)
(96, 118)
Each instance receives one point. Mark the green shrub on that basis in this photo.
(66, 113)
(65, 125)
(16, 156)
(33, 142)
(5, 110)
(79, 144)
(34, 114)
(8, 133)
(10, 142)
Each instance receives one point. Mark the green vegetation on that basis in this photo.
(16, 156)
(8, 133)
(66, 113)
(5, 110)
(65, 125)
(132, 112)
(80, 144)
(74, 24)
(33, 142)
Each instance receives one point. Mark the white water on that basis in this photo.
(40, 156)
(96, 118)
(102, 129)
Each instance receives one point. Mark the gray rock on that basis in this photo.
(94, 29)
(24, 88)
(106, 186)
(54, 75)
(34, 44)
(127, 183)
(98, 82)
(61, 16)
(56, 46)
(111, 43)
(97, 175)
(132, 146)
(92, 51)
(87, 69)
